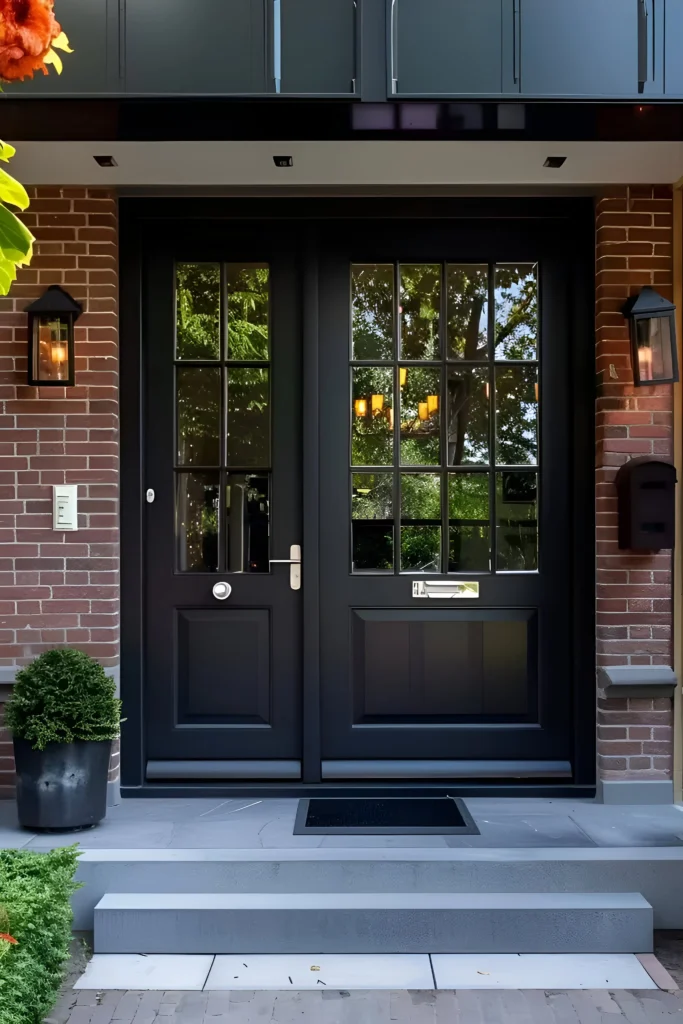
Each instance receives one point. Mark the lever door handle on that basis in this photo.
(294, 562)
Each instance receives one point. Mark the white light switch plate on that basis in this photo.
(65, 507)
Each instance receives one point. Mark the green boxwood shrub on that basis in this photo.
(62, 696)
(35, 908)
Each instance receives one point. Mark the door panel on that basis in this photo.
(443, 462)
(428, 664)
(213, 47)
(223, 679)
(208, 638)
(591, 47)
(446, 47)
(319, 43)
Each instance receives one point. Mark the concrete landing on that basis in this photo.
(254, 824)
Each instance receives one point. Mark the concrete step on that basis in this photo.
(653, 871)
(373, 923)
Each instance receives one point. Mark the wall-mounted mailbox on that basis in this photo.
(646, 496)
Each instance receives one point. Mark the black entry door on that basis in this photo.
(222, 377)
(447, 532)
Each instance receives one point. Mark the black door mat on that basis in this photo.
(384, 816)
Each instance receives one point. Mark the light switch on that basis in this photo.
(65, 507)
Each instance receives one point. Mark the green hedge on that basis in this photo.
(35, 893)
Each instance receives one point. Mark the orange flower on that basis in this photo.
(9, 938)
(27, 31)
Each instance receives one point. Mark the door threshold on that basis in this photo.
(551, 791)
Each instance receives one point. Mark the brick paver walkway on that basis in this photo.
(334, 1007)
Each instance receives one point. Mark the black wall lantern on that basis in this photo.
(51, 320)
(652, 324)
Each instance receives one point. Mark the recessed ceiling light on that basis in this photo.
(283, 161)
(105, 161)
(554, 161)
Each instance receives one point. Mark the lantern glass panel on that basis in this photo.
(50, 348)
(654, 346)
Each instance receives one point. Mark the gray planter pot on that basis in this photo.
(63, 786)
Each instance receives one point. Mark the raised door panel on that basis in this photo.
(92, 29)
(446, 47)
(590, 48)
(318, 46)
(222, 666)
(210, 47)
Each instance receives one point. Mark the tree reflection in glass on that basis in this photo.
(468, 416)
(248, 437)
(467, 319)
(198, 297)
(372, 416)
(516, 415)
(516, 522)
(420, 416)
(420, 522)
(372, 296)
(205, 395)
(197, 522)
(372, 522)
(198, 396)
(516, 289)
(420, 304)
(248, 300)
(469, 546)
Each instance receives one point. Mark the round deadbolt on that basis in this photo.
(222, 590)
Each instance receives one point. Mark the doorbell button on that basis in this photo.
(222, 590)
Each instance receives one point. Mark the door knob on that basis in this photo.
(222, 590)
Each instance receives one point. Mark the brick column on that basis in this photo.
(61, 588)
(634, 248)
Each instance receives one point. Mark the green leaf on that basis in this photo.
(12, 191)
(16, 241)
(8, 274)
(6, 151)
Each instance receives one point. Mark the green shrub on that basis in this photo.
(35, 893)
(62, 696)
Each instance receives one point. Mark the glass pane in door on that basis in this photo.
(198, 332)
(223, 422)
(467, 388)
(197, 521)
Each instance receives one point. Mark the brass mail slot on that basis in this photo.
(447, 588)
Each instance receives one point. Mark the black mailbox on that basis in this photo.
(646, 493)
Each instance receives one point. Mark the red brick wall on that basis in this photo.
(61, 588)
(634, 248)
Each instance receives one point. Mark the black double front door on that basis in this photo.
(442, 640)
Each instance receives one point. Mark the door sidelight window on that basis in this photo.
(222, 411)
(444, 415)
